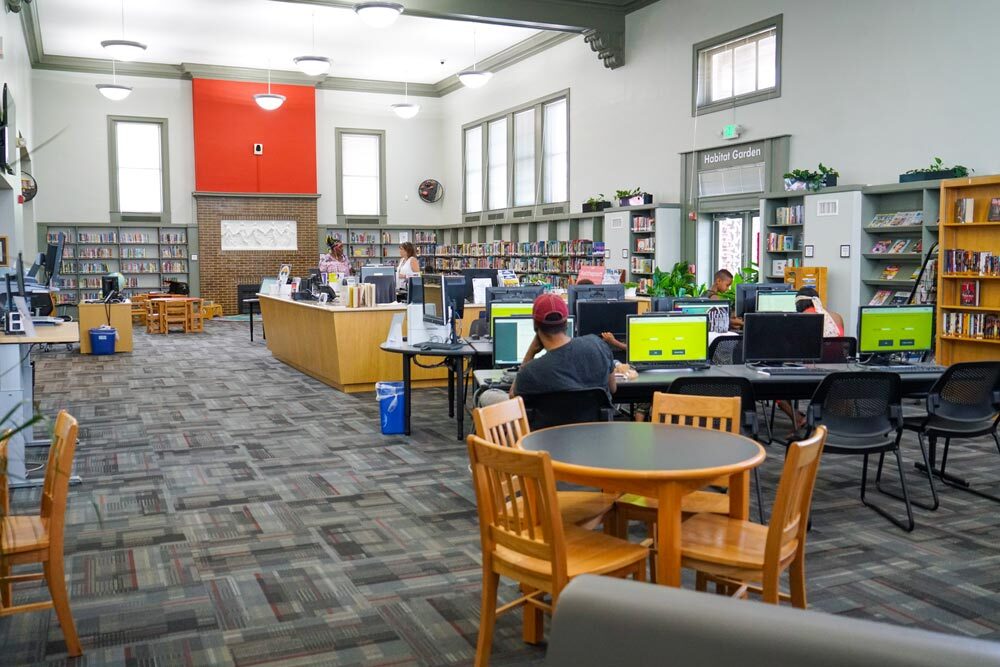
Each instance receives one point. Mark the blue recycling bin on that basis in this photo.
(102, 341)
(390, 405)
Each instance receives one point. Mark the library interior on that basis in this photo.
(475, 332)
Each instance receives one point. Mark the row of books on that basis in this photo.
(523, 265)
(640, 265)
(140, 267)
(364, 237)
(899, 219)
(579, 247)
(984, 326)
(894, 247)
(982, 262)
(642, 224)
(173, 267)
(783, 242)
(895, 272)
(424, 237)
(887, 297)
(97, 237)
(96, 252)
(790, 215)
(114, 237)
(965, 210)
(174, 252)
(645, 244)
(778, 265)
(90, 267)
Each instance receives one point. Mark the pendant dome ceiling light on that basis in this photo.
(114, 91)
(269, 101)
(406, 109)
(313, 65)
(378, 14)
(474, 77)
(125, 50)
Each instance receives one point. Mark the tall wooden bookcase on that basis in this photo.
(980, 235)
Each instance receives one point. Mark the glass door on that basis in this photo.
(736, 237)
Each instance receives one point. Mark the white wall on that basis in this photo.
(15, 70)
(868, 87)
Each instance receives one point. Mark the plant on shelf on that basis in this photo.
(934, 171)
(803, 179)
(635, 197)
(748, 274)
(598, 203)
(679, 281)
(630, 289)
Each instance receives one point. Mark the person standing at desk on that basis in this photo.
(408, 265)
(334, 261)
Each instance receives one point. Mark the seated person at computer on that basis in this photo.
(721, 283)
(334, 261)
(569, 364)
(807, 301)
(408, 265)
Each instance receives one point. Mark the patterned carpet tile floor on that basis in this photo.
(237, 512)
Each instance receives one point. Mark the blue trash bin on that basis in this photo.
(102, 341)
(390, 405)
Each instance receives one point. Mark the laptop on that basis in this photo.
(512, 336)
(667, 341)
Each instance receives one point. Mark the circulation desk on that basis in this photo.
(339, 346)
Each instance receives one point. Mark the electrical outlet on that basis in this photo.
(258, 149)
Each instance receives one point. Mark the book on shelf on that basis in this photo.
(899, 298)
(882, 246)
(968, 293)
(915, 273)
(918, 246)
(789, 215)
(983, 326)
(898, 219)
(899, 246)
(889, 272)
(994, 215)
(980, 262)
(881, 297)
(778, 267)
(642, 224)
(965, 208)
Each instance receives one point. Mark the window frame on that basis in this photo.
(115, 212)
(342, 218)
(698, 109)
(538, 106)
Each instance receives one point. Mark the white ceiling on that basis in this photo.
(262, 33)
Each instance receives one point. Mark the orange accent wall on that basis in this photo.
(227, 123)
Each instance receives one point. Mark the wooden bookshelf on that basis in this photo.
(979, 235)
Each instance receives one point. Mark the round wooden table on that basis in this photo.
(658, 461)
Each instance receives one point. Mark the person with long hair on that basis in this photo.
(334, 261)
(408, 264)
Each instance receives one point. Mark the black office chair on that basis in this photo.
(963, 403)
(568, 407)
(726, 350)
(839, 350)
(864, 416)
(726, 388)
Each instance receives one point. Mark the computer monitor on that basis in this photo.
(385, 288)
(775, 302)
(782, 337)
(472, 274)
(522, 294)
(596, 317)
(888, 329)
(716, 310)
(667, 338)
(512, 336)
(746, 295)
(368, 271)
(109, 287)
(508, 309)
(414, 289)
(443, 298)
(594, 292)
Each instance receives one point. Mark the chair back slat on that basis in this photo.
(790, 514)
(857, 404)
(516, 502)
(966, 392)
(722, 387)
(503, 423)
(55, 488)
(712, 412)
(4, 490)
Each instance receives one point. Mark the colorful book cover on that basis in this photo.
(889, 272)
(899, 246)
(915, 273)
(969, 293)
(964, 209)
(994, 210)
(918, 246)
(881, 246)
(899, 299)
(880, 297)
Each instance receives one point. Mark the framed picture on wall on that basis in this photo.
(4, 252)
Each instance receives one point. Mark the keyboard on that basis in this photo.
(670, 368)
(910, 368)
(792, 370)
(47, 320)
(439, 347)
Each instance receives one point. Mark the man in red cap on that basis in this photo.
(569, 364)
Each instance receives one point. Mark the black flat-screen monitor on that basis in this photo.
(472, 274)
(53, 258)
(782, 337)
(594, 292)
(596, 317)
(8, 133)
(746, 295)
(109, 287)
(414, 290)
(522, 294)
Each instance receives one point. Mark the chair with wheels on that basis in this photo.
(964, 403)
(863, 415)
(524, 539)
(726, 351)
(559, 408)
(736, 554)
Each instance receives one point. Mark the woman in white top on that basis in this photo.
(408, 264)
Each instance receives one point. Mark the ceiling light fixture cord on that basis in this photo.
(123, 19)
(314, 30)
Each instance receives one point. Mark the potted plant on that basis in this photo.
(634, 197)
(679, 281)
(594, 204)
(934, 171)
(630, 288)
(748, 274)
(803, 179)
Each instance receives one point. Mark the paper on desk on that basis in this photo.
(479, 286)
(22, 308)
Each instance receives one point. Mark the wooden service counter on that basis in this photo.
(339, 346)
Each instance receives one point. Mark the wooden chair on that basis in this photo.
(737, 554)
(39, 539)
(140, 304)
(154, 317)
(212, 309)
(717, 413)
(175, 314)
(524, 539)
(195, 317)
(504, 424)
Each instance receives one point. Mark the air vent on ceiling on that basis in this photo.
(473, 218)
(523, 214)
(362, 221)
(731, 181)
(495, 216)
(827, 207)
(553, 210)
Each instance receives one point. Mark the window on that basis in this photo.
(740, 67)
(508, 155)
(361, 175)
(138, 163)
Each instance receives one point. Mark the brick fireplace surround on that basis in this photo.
(222, 271)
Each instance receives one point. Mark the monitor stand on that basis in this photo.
(885, 359)
(453, 343)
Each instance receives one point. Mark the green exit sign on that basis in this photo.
(731, 131)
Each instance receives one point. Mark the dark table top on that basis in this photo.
(470, 349)
(645, 447)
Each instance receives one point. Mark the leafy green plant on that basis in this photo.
(594, 201)
(748, 274)
(813, 179)
(624, 194)
(631, 285)
(939, 165)
(679, 281)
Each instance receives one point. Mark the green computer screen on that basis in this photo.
(500, 309)
(904, 329)
(654, 338)
(776, 302)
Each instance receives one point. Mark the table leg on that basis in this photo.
(739, 495)
(251, 322)
(460, 398)
(451, 387)
(406, 394)
(668, 534)
(263, 329)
